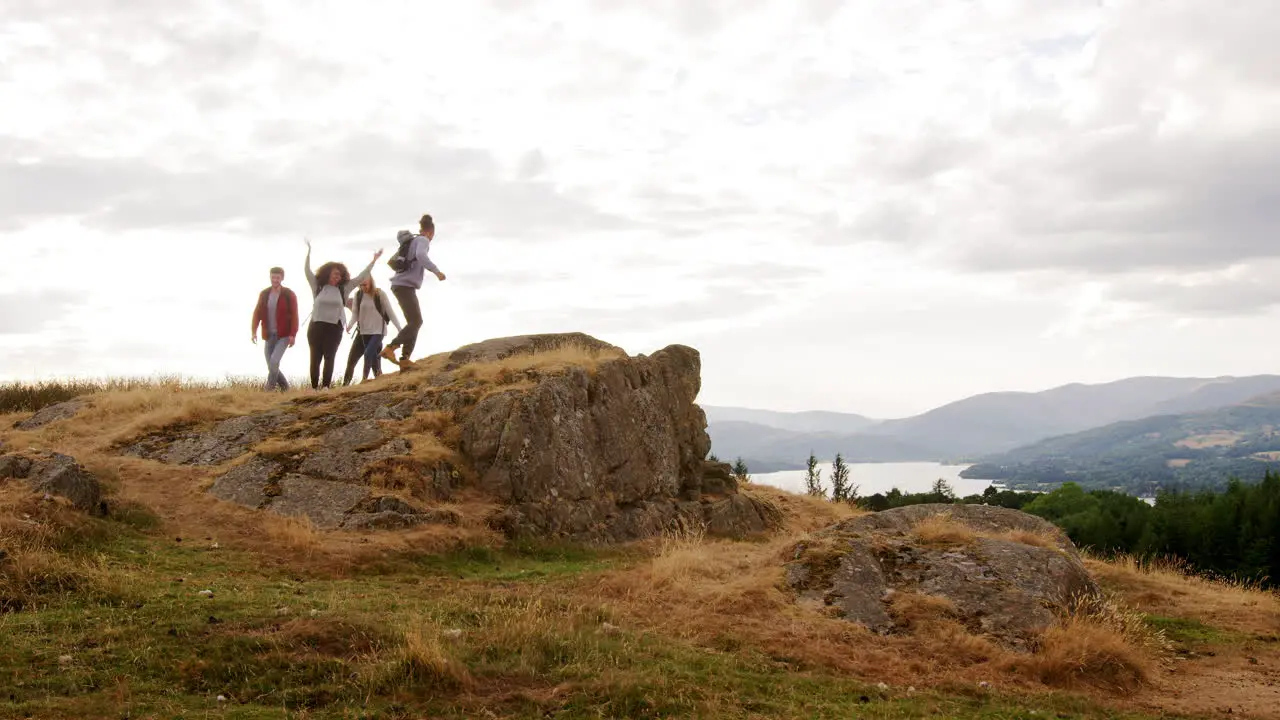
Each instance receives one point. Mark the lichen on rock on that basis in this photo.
(592, 445)
(994, 580)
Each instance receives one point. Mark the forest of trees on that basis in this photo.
(1233, 533)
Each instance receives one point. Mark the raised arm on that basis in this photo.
(364, 274)
(311, 277)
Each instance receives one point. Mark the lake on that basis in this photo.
(872, 478)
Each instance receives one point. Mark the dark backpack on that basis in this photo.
(401, 261)
(377, 302)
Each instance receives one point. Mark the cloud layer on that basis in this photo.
(822, 192)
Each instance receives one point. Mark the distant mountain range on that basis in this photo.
(1188, 450)
(968, 429)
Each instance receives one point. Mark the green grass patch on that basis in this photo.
(471, 633)
(1189, 632)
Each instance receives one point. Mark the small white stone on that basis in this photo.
(206, 593)
(984, 684)
(222, 698)
(609, 628)
(64, 659)
(452, 633)
(882, 686)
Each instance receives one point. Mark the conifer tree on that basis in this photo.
(813, 478)
(839, 480)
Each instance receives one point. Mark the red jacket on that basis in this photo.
(286, 313)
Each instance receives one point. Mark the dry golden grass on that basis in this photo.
(285, 446)
(1166, 588)
(918, 610)
(942, 530)
(115, 416)
(802, 513)
(1027, 537)
(515, 368)
(1100, 643)
(424, 661)
(297, 533)
(35, 538)
(721, 593)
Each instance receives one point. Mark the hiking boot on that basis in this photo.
(388, 353)
(405, 363)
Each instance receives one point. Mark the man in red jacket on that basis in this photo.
(277, 310)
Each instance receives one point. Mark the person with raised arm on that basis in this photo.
(330, 288)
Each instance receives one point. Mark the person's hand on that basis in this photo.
(439, 276)
(308, 242)
(377, 254)
(253, 338)
(290, 341)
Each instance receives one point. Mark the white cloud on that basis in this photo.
(872, 207)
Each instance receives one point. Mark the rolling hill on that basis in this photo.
(1196, 449)
(810, 421)
(981, 425)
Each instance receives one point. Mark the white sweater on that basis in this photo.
(368, 318)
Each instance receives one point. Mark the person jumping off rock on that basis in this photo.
(370, 312)
(410, 264)
(277, 310)
(328, 313)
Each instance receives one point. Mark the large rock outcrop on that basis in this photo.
(999, 572)
(56, 474)
(609, 449)
(51, 414)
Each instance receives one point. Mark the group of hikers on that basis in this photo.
(275, 317)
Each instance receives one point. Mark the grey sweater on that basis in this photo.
(330, 303)
(418, 265)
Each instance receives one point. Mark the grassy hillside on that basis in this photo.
(178, 605)
(1201, 449)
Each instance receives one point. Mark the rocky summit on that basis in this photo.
(566, 435)
(1001, 573)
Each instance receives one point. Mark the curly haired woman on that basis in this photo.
(328, 313)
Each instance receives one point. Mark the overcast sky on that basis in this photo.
(875, 207)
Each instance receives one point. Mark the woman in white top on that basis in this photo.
(371, 310)
(328, 313)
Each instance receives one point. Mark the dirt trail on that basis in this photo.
(1236, 682)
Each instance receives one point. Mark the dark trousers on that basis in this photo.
(408, 336)
(367, 346)
(353, 355)
(324, 339)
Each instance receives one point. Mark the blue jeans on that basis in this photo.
(274, 350)
(372, 360)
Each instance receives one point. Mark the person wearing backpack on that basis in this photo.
(277, 311)
(328, 313)
(410, 264)
(370, 312)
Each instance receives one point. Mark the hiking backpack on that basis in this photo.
(377, 302)
(401, 261)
